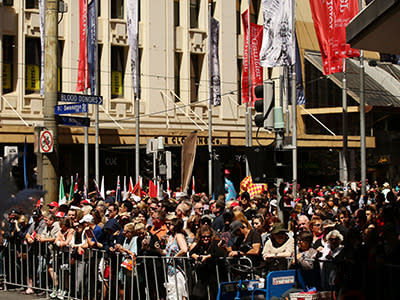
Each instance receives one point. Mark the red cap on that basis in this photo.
(54, 204)
(227, 172)
(234, 204)
(60, 214)
(85, 201)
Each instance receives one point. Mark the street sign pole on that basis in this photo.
(50, 160)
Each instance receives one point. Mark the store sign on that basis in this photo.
(201, 141)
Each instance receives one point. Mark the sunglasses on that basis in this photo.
(333, 239)
(206, 237)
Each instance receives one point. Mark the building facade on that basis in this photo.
(173, 43)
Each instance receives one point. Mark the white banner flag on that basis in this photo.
(133, 28)
(42, 14)
(278, 38)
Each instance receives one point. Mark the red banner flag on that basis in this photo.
(330, 21)
(256, 34)
(82, 64)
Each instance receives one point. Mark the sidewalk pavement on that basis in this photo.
(16, 294)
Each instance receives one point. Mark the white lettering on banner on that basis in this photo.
(344, 4)
(283, 280)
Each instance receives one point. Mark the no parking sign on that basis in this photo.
(46, 141)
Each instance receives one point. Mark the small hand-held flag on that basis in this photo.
(61, 193)
(193, 186)
(152, 189)
(118, 194)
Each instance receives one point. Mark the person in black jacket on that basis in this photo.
(206, 252)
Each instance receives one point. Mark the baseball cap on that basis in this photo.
(60, 214)
(53, 204)
(227, 172)
(85, 202)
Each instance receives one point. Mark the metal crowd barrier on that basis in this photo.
(99, 275)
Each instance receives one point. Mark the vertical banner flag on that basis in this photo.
(215, 86)
(42, 14)
(256, 32)
(80, 85)
(92, 45)
(187, 160)
(132, 21)
(330, 21)
(277, 44)
(300, 99)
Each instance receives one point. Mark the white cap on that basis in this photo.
(87, 219)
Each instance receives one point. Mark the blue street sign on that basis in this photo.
(73, 121)
(80, 98)
(71, 108)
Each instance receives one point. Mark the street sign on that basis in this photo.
(46, 141)
(80, 98)
(73, 121)
(71, 108)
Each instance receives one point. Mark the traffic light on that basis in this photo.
(264, 116)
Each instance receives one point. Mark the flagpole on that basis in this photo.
(96, 122)
(344, 178)
(363, 154)
(294, 106)
(248, 104)
(137, 97)
(86, 129)
(210, 156)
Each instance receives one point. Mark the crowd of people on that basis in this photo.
(342, 237)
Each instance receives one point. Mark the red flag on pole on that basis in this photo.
(256, 35)
(82, 65)
(152, 189)
(330, 21)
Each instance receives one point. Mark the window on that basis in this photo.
(8, 2)
(177, 75)
(196, 63)
(238, 17)
(117, 9)
(255, 9)
(60, 50)
(8, 63)
(239, 79)
(194, 13)
(32, 67)
(32, 4)
(176, 13)
(117, 71)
